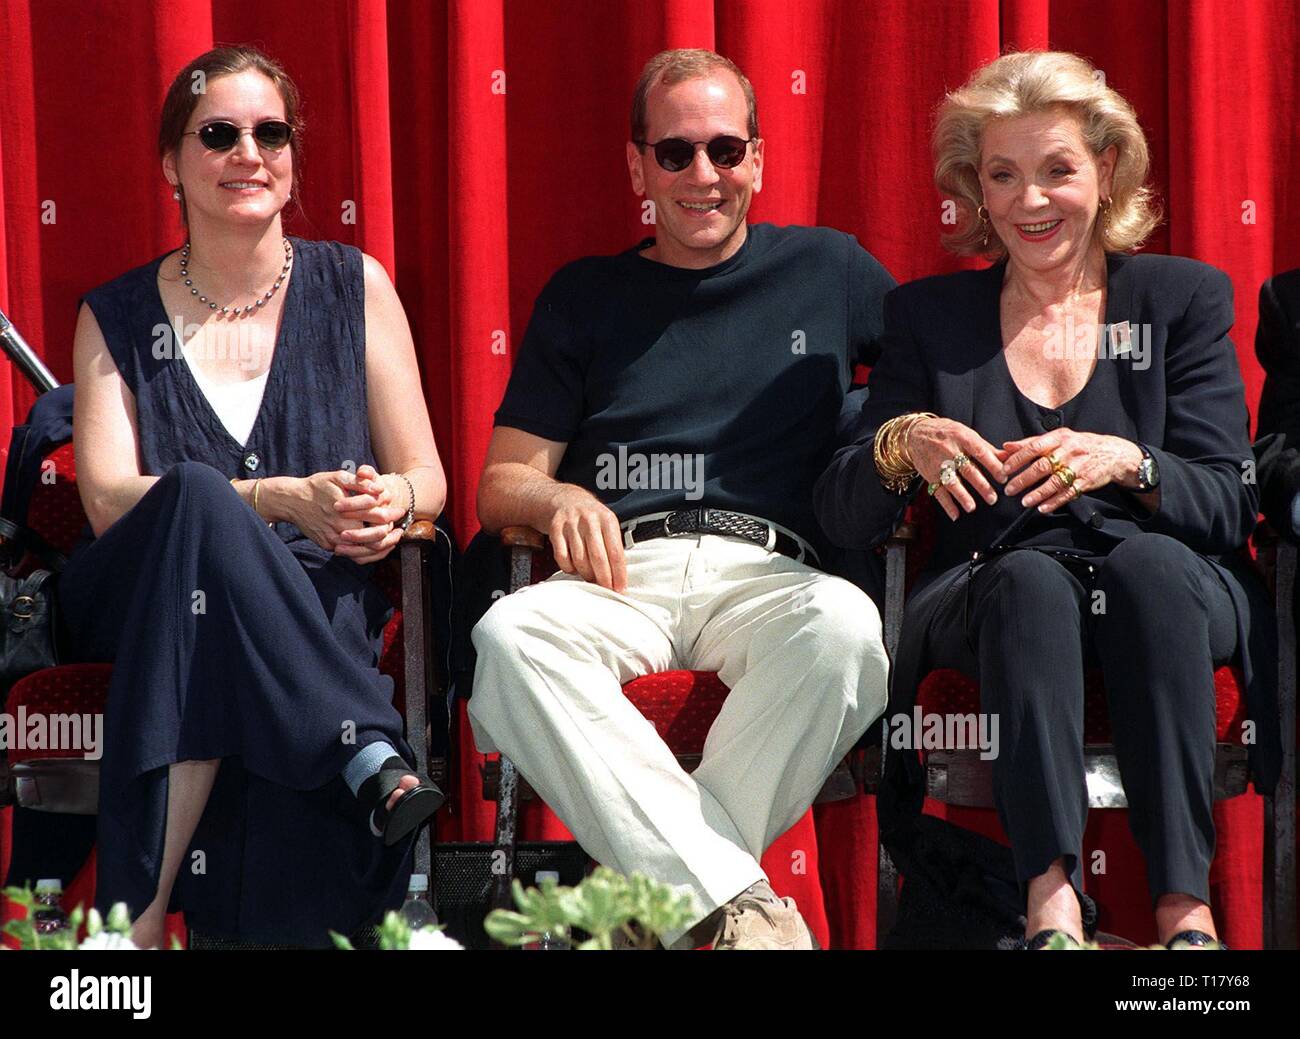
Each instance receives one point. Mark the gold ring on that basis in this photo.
(1077, 493)
(1066, 475)
(960, 462)
(931, 488)
(1053, 461)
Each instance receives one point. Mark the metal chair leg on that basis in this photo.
(418, 677)
(886, 871)
(1279, 817)
(503, 854)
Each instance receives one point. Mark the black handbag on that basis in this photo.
(28, 638)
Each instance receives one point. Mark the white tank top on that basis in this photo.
(236, 403)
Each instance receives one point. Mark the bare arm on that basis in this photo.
(400, 431)
(104, 434)
(518, 486)
(399, 417)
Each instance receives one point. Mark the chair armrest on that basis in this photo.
(421, 530)
(523, 543)
(522, 537)
(903, 533)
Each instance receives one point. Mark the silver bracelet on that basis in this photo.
(409, 518)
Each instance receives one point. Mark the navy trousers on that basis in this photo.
(1026, 635)
(229, 643)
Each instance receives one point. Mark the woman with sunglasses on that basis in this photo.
(251, 438)
(1078, 415)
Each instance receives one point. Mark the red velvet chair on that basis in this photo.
(63, 781)
(959, 777)
(681, 705)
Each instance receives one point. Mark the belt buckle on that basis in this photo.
(693, 517)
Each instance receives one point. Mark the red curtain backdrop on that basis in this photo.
(473, 146)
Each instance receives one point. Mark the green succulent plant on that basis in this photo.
(605, 904)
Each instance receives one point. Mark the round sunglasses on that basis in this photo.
(272, 134)
(674, 154)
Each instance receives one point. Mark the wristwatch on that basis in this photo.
(1148, 471)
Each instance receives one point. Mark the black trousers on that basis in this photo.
(1162, 622)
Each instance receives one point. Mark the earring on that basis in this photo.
(983, 213)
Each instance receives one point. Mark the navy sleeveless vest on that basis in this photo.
(313, 415)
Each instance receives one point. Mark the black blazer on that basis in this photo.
(1277, 345)
(1188, 407)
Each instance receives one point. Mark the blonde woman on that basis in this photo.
(1078, 415)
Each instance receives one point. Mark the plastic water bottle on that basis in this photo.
(416, 910)
(546, 940)
(48, 916)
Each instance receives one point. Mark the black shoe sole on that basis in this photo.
(413, 810)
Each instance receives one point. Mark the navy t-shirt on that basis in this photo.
(678, 388)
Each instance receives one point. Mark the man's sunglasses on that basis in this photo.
(272, 134)
(674, 154)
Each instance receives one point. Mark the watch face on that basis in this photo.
(1148, 472)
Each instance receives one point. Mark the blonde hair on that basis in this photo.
(1026, 83)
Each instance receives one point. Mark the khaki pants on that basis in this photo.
(801, 652)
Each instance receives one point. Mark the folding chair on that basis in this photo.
(960, 777)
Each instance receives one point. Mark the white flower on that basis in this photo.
(108, 940)
(428, 938)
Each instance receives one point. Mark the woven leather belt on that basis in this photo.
(686, 522)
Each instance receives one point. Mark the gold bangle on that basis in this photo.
(904, 431)
(892, 463)
(257, 487)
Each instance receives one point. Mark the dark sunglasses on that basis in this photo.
(674, 154)
(272, 134)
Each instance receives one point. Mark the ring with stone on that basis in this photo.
(931, 488)
(960, 462)
(947, 473)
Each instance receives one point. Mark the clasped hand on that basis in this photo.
(1024, 465)
(354, 515)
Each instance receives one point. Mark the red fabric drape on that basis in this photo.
(473, 146)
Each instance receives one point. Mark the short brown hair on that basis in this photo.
(675, 66)
(182, 98)
(1024, 83)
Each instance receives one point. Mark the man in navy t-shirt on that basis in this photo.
(668, 414)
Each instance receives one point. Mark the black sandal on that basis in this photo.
(413, 808)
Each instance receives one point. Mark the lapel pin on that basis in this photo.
(1121, 340)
